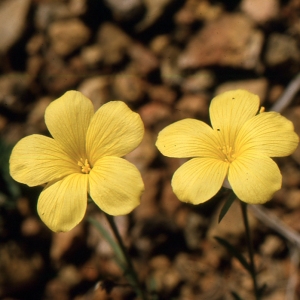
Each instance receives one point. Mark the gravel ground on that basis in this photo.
(166, 59)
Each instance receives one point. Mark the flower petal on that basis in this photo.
(188, 138)
(269, 133)
(115, 130)
(115, 185)
(37, 159)
(62, 204)
(229, 111)
(254, 178)
(199, 179)
(68, 119)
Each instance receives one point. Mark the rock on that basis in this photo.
(292, 199)
(96, 89)
(92, 56)
(58, 75)
(207, 11)
(89, 270)
(161, 93)
(291, 219)
(275, 92)
(186, 15)
(194, 230)
(169, 202)
(169, 69)
(109, 289)
(159, 44)
(97, 240)
(77, 7)
(290, 174)
(293, 114)
(13, 89)
(281, 49)
(160, 262)
(48, 12)
(143, 61)
(182, 34)
(13, 133)
(34, 65)
(69, 275)
(255, 86)
(153, 113)
(126, 10)
(31, 227)
(231, 227)
(164, 274)
(154, 10)
(56, 289)
(35, 44)
(62, 242)
(157, 235)
(129, 88)
(114, 49)
(3, 123)
(36, 116)
(145, 153)
(236, 44)
(68, 35)
(20, 271)
(172, 165)
(149, 207)
(198, 82)
(210, 254)
(261, 11)
(186, 265)
(24, 207)
(192, 106)
(272, 245)
(13, 14)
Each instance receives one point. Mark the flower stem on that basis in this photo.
(250, 249)
(131, 270)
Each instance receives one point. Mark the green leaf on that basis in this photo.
(234, 252)
(116, 248)
(236, 296)
(227, 205)
(152, 287)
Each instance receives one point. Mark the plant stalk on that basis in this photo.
(250, 248)
(131, 271)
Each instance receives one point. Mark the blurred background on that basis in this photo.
(166, 59)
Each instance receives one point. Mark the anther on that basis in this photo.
(228, 153)
(85, 166)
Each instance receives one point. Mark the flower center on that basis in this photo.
(229, 155)
(85, 166)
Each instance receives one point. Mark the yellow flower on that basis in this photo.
(84, 156)
(236, 148)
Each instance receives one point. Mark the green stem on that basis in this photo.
(131, 270)
(250, 248)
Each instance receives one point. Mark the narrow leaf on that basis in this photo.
(227, 205)
(234, 252)
(116, 248)
(236, 296)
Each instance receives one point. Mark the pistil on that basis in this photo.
(228, 153)
(85, 166)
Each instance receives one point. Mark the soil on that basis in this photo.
(166, 59)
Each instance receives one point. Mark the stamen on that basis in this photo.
(262, 109)
(228, 153)
(85, 166)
